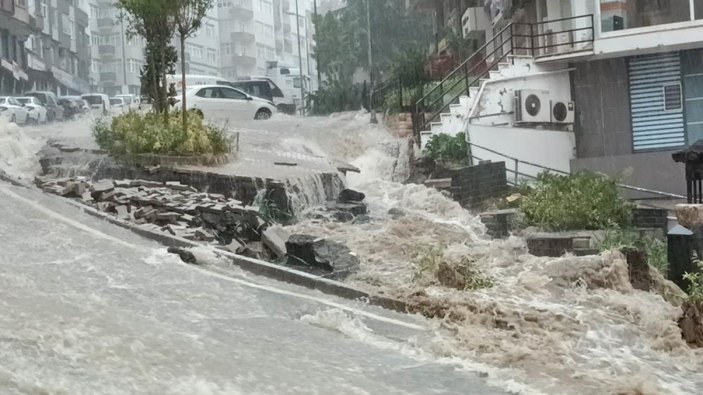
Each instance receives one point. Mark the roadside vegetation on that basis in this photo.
(449, 149)
(432, 266)
(134, 133)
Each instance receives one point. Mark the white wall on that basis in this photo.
(543, 147)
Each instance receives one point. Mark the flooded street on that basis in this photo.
(99, 310)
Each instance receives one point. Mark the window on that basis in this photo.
(95, 66)
(66, 25)
(226, 49)
(44, 9)
(94, 12)
(209, 30)
(211, 55)
(672, 97)
(94, 38)
(260, 28)
(133, 66)
(209, 93)
(196, 52)
(21, 3)
(228, 93)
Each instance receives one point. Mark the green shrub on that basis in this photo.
(135, 133)
(463, 274)
(695, 284)
(443, 147)
(624, 239)
(583, 200)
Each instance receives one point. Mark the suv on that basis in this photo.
(48, 99)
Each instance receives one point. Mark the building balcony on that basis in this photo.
(106, 50)
(242, 9)
(475, 22)
(14, 18)
(242, 37)
(108, 77)
(106, 22)
(243, 60)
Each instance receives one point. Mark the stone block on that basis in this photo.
(689, 215)
(275, 239)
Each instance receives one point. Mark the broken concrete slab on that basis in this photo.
(321, 255)
(204, 235)
(122, 212)
(102, 187)
(275, 239)
(350, 195)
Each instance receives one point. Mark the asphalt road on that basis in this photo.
(89, 308)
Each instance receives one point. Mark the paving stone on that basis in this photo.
(204, 235)
(122, 212)
(102, 187)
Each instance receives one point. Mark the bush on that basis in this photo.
(463, 274)
(443, 147)
(629, 239)
(134, 133)
(583, 200)
(695, 284)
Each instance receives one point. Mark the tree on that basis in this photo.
(153, 20)
(188, 17)
(150, 77)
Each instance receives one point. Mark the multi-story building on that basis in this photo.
(203, 48)
(58, 54)
(608, 85)
(256, 33)
(16, 24)
(117, 58)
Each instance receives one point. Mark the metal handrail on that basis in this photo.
(425, 104)
(517, 172)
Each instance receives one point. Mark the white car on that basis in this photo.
(37, 112)
(131, 101)
(13, 110)
(99, 103)
(218, 102)
(118, 104)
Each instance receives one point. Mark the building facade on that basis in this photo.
(632, 69)
(255, 34)
(17, 23)
(203, 48)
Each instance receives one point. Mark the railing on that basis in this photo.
(518, 176)
(534, 39)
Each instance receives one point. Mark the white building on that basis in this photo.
(254, 32)
(118, 59)
(203, 48)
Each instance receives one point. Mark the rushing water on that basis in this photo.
(570, 325)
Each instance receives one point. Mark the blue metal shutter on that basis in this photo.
(654, 127)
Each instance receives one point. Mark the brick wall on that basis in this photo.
(472, 185)
(650, 218)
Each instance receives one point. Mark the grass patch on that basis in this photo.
(629, 239)
(134, 133)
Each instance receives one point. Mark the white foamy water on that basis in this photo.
(570, 325)
(555, 326)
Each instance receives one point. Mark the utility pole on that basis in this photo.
(125, 88)
(300, 62)
(368, 31)
(317, 55)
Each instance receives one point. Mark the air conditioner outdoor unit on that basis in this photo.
(532, 106)
(562, 111)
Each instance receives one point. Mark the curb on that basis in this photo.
(258, 267)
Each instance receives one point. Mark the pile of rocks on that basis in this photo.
(212, 218)
(171, 207)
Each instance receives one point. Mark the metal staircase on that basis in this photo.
(458, 94)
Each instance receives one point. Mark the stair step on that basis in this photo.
(436, 127)
(504, 65)
(494, 74)
(474, 91)
(457, 109)
(425, 137)
(465, 101)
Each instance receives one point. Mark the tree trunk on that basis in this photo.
(164, 87)
(154, 81)
(183, 81)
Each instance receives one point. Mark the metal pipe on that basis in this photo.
(300, 62)
(371, 82)
(317, 36)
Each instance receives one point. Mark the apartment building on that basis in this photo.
(613, 86)
(255, 33)
(203, 48)
(16, 24)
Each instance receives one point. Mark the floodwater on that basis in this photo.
(548, 325)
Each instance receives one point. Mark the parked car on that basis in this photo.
(99, 102)
(218, 102)
(37, 112)
(14, 110)
(80, 102)
(131, 101)
(49, 100)
(71, 108)
(118, 104)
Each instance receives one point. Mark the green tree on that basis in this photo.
(150, 77)
(153, 20)
(188, 17)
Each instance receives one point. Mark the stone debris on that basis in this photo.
(170, 207)
(321, 256)
(275, 239)
(689, 216)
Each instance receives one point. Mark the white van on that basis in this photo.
(98, 102)
(195, 79)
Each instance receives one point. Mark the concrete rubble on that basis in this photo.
(181, 210)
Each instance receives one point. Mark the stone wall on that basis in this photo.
(651, 218)
(473, 185)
